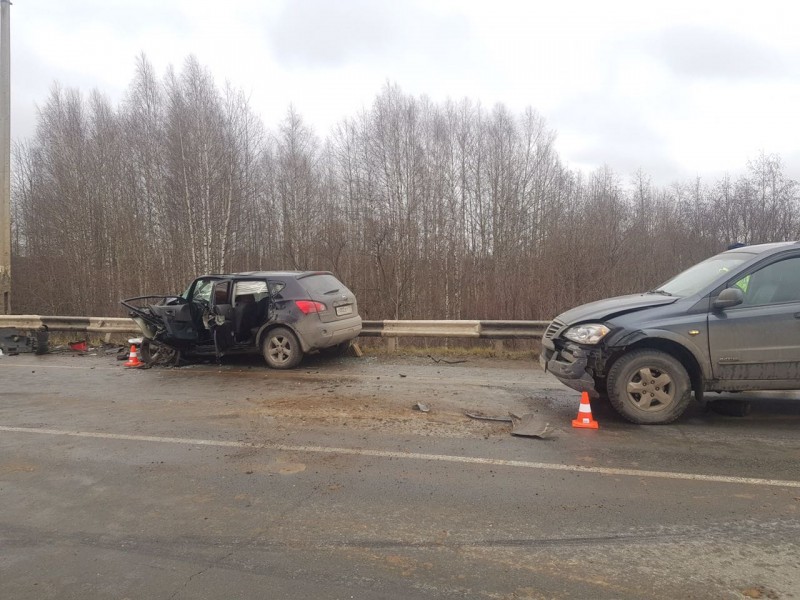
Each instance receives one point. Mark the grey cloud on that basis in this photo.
(125, 17)
(329, 33)
(708, 53)
(791, 163)
(619, 138)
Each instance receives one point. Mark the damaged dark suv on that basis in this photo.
(281, 314)
(730, 323)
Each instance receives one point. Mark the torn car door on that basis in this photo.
(220, 320)
(177, 319)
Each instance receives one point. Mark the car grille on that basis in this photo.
(552, 329)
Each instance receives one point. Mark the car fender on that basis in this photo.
(700, 355)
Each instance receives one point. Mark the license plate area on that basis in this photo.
(347, 309)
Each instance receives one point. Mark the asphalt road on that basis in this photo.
(236, 481)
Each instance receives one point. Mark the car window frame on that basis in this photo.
(749, 271)
(191, 296)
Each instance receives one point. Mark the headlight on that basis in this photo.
(588, 333)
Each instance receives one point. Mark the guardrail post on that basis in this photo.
(391, 344)
(498, 347)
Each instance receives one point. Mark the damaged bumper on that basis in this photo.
(568, 365)
(16, 341)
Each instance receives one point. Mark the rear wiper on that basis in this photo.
(331, 292)
(662, 292)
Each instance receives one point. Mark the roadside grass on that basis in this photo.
(509, 349)
(411, 347)
(63, 339)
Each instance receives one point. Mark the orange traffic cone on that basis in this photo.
(133, 358)
(584, 420)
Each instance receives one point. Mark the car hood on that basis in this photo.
(613, 307)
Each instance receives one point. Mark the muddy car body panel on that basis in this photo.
(730, 323)
(236, 313)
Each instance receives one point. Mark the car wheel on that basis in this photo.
(649, 387)
(282, 349)
(152, 353)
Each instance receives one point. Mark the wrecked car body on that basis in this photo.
(282, 314)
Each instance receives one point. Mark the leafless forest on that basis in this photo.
(425, 210)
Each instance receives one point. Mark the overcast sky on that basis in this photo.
(679, 89)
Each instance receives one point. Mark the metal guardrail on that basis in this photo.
(494, 330)
(74, 324)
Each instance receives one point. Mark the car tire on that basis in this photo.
(649, 387)
(281, 349)
(152, 353)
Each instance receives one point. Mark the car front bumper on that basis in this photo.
(568, 365)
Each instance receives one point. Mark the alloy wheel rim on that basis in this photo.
(650, 389)
(280, 349)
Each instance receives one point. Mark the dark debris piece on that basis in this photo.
(528, 425)
(448, 362)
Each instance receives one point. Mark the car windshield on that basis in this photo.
(202, 290)
(695, 278)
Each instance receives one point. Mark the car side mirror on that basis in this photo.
(731, 296)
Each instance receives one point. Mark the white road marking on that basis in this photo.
(495, 462)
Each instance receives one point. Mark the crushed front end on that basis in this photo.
(578, 366)
(147, 312)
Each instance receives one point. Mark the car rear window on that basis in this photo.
(320, 285)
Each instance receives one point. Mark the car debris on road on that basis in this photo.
(527, 425)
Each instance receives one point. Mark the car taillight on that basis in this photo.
(309, 306)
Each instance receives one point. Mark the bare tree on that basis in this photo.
(426, 210)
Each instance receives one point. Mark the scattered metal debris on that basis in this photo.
(530, 425)
(527, 425)
(448, 362)
(422, 407)
(483, 417)
(16, 341)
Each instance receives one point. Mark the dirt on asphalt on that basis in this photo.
(377, 393)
